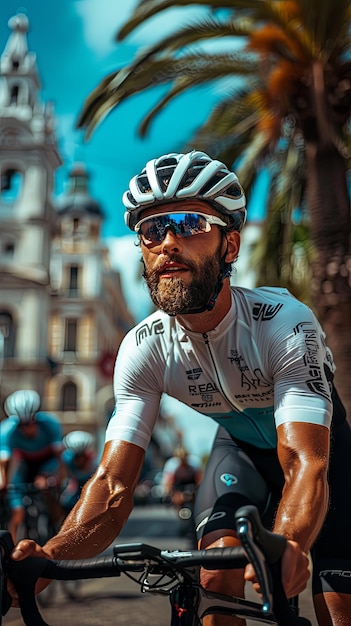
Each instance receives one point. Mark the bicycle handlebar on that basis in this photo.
(259, 547)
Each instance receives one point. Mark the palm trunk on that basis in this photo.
(329, 206)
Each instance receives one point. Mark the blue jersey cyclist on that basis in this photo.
(30, 450)
(79, 464)
(256, 362)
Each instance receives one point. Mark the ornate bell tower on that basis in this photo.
(28, 160)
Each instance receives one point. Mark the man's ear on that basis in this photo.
(233, 243)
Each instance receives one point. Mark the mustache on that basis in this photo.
(175, 258)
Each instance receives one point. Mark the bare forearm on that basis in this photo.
(4, 466)
(93, 524)
(104, 506)
(303, 451)
(302, 510)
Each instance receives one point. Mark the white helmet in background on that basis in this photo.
(24, 404)
(178, 177)
(78, 441)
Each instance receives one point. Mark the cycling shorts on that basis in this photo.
(237, 474)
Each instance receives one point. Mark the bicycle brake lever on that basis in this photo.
(256, 557)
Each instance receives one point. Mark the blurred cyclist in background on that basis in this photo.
(80, 462)
(30, 451)
(181, 475)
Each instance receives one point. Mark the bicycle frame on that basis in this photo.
(38, 522)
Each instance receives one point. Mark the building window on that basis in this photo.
(73, 287)
(7, 248)
(71, 335)
(11, 184)
(7, 335)
(14, 94)
(69, 397)
(79, 228)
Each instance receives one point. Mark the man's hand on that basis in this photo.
(295, 571)
(26, 548)
(22, 550)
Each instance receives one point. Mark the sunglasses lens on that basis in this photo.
(154, 230)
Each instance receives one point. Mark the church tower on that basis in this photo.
(28, 160)
(89, 316)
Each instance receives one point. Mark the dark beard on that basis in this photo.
(174, 297)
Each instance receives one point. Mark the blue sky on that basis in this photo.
(75, 48)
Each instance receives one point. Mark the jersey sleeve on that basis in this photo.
(302, 368)
(138, 386)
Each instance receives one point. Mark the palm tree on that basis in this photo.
(287, 110)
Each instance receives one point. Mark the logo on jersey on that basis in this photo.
(206, 392)
(194, 374)
(145, 330)
(316, 380)
(251, 381)
(228, 479)
(205, 404)
(265, 311)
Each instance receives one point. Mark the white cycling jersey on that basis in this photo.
(266, 363)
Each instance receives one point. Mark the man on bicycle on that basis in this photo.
(30, 451)
(255, 361)
(180, 477)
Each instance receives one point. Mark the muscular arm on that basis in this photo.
(4, 467)
(104, 506)
(303, 451)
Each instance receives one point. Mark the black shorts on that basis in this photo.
(238, 473)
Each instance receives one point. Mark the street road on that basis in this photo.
(108, 602)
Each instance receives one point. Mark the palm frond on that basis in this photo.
(149, 8)
(120, 85)
(192, 76)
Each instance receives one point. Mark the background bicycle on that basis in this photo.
(43, 516)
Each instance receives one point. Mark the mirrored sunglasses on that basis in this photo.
(152, 230)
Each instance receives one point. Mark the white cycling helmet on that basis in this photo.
(79, 441)
(178, 177)
(24, 404)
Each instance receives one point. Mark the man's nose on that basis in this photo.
(171, 241)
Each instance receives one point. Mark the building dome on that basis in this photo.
(77, 199)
